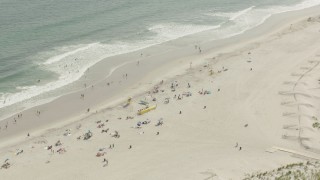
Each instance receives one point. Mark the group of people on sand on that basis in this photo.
(197, 47)
(38, 112)
(236, 146)
(101, 126)
(15, 121)
(125, 76)
(59, 147)
(5, 165)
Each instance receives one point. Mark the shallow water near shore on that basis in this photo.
(56, 42)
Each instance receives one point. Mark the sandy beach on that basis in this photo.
(222, 110)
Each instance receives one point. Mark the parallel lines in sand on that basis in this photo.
(295, 95)
(309, 156)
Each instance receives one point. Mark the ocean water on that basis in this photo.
(57, 41)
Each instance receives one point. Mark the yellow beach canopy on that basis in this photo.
(143, 111)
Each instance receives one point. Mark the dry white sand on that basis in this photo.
(263, 97)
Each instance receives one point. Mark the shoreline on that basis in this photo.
(153, 58)
(193, 39)
(259, 89)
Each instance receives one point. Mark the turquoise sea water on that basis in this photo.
(56, 41)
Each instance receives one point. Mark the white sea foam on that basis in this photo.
(64, 55)
(25, 87)
(72, 62)
(302, 5)
(241, 21)
(69, 67)
(231, 15)
(169, 31)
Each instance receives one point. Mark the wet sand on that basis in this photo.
(255, 94)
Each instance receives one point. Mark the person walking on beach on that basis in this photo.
(106, 162)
